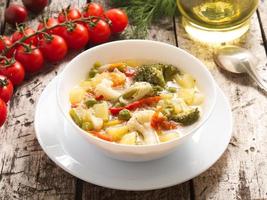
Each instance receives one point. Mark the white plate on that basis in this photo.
(74, 155)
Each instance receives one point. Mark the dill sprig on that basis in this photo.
(143, 12)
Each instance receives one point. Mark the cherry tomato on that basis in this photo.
(93, 9)
(6, 89)
(35, 6)
(53, 50)
(27, 31)
(31, 59)
(72, 14)
(76, 38)
(99, 33)
(3, 112)
(49, 23)
(13, 71)
(118, 18)
(15, 14)
(4, 42)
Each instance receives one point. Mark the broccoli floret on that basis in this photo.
(186, 118)
(169, 71)
(156, 74)
(150, 74)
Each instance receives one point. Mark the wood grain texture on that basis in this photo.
(241, 173)
(25, 170)
(3, 5)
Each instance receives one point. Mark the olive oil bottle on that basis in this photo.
(213, 16)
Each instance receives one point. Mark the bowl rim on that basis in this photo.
(86, 134)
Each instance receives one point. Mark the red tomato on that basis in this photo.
(3, 112)
(15, 14)
(49, 23)
(6, 89)
(14, 72)
(35, 5)
(93, 9)
(99, 33)
(27, 31)
(118, 18)
(31, 59)
(72, 14)
(53, 50)
(76, 38)
(4, 42)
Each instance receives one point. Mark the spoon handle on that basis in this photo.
(254, 75)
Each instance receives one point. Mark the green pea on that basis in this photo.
(97, 65)
(171, 89)
(93, 72)
(124, 115)
(90, 102)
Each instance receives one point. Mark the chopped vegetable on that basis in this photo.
(185, 80)
(112, 122)
(135, 92)
(75, 117)
(90, 102)
(160, 122)
(87, 126)
(101, 136)
(77, 95)
(129, 139)
(105, 89)
(140, 122)
(171, 89)
(135, 105)
(101, 110)
(187, 95)
(186, 118)
(150, 74)
(117, 132)
(124, 115)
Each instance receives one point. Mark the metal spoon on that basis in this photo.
(239, 60)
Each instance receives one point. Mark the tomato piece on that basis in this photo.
(76, 38)
(3, 112)
(6, 88)
(118, 18)
(161, 123)
(15, 14)
(50, 22)
(100, 32)
(101, 136)
(53, 50)
(27, 31)
(129, 72)
(35, 6)
(93, 9)
(14, 71)
(32, 58)
(72, 14)
(150, 100)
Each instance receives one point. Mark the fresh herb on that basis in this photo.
(143, 12)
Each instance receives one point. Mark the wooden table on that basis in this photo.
(241, 173)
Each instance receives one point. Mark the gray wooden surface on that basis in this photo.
(241, 173)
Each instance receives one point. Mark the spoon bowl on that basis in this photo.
(239, 60)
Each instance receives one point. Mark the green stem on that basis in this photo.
(43, 30)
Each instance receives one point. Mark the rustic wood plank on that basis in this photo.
(241, 173)
(25, 171)
(3, 5)
(262, 16)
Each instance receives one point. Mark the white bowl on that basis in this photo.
(78, 68)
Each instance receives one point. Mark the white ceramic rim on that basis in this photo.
(208, 114)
